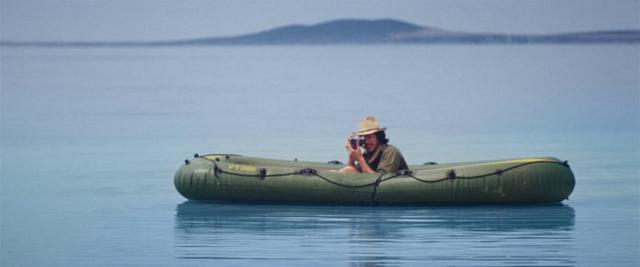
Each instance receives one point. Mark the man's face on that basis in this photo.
(371, 142)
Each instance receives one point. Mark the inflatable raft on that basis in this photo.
(240, 178)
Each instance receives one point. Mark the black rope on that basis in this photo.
(451, 175)
(306, 171)
(347, 185)
(496, 172)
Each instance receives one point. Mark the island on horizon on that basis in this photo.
(368, 32)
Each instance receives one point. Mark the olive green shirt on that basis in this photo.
(386, 159)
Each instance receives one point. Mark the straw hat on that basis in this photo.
(369, 125)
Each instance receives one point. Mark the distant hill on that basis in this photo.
(333, 32)
(381, 31)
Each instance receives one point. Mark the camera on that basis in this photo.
(355, 142)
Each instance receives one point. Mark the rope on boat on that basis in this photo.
(451, 174)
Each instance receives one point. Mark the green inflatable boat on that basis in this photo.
(240, 178)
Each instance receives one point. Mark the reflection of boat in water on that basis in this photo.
(233, 234)
(192, 215)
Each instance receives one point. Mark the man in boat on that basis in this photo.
(379, 156)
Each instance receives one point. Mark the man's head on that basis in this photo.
(372, 132)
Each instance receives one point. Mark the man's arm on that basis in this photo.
(364, 166)
(356, 156)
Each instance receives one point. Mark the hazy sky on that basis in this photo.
(39, 20)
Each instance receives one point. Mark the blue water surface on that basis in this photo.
(91, 139)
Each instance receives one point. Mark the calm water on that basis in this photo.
(91, 139)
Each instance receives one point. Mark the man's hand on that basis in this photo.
(354, 153)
